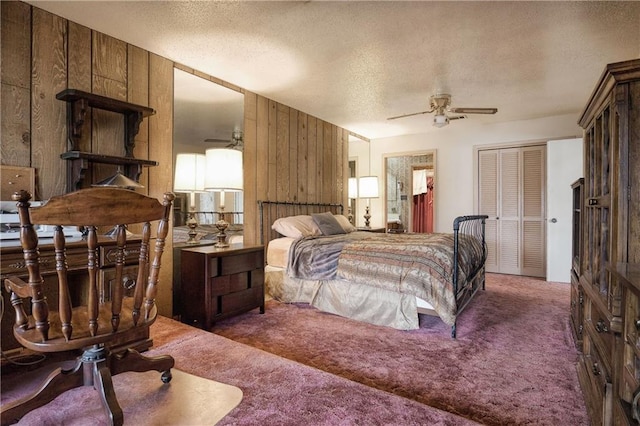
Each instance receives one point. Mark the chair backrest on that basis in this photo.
(90, 209)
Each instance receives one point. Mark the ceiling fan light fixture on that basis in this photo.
(440, 120)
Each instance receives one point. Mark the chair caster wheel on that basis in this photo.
(166, 376)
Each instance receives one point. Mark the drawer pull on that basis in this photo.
(638, 324)
(128, 283)
(595, 369)
(601, 327)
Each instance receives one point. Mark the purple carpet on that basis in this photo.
(276, 391)
(513, 363)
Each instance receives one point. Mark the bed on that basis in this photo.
(385, 279)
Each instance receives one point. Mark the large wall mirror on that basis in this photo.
(411, 191)
(206, 115)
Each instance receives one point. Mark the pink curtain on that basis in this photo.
(423, 210)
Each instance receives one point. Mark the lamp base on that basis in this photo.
(192, 224)
(222, 236)
(367, 216)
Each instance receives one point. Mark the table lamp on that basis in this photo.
(224, 174)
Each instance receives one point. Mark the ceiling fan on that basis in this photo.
(441, 105)
(234, 143)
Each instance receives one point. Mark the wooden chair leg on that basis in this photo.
(132, 360)
(103, 383)
(58, 382)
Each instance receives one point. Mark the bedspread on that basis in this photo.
(416, 264)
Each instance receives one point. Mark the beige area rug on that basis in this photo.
(145, 400)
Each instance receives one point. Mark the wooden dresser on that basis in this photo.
(609, 368)
(220, 282)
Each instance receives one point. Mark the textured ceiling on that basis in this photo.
(356, 63)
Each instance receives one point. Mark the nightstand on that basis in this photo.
(220, 282)
(377, 230)
(177, 278)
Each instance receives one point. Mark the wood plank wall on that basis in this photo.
(288, 155)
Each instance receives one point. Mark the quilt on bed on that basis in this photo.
(416, 264)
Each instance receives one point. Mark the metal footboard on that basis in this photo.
(473, 226)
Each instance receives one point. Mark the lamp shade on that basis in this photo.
(224, 170)
(190, 173)
(353, 187)
(368, 187)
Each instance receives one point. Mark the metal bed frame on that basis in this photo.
(472, 225)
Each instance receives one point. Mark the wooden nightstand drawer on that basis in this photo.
(241, 301)
(241, 262)
(226, 284)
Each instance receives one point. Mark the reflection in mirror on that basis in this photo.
(206, 115)
(410, 192)
(359, 165)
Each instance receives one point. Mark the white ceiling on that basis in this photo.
(356, 63)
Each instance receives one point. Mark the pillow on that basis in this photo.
(296, 226)
(328, 224)
(344, 222)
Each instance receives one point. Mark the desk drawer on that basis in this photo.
(108, 254)
(13, 263)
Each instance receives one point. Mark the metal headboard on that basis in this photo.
(272, 210)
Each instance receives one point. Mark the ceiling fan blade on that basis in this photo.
(474, 110)
(457, 117)
(409, 115)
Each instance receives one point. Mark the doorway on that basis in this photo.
(410, 192)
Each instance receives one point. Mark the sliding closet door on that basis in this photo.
(512, 194)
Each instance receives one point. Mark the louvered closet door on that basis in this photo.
(512, 194)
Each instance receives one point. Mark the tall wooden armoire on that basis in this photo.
(609, 258)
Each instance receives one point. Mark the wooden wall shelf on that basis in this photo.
(78, 102)
(81, 162)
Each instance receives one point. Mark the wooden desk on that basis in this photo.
(12, 264)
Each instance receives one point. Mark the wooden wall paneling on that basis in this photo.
(109, 79)
(161, 176)
(79, 74)
(48, 115)
(293, 155)
(327, 167)
(138, 93)
(250, 169)
(15, 77)
(109, 66)
(282, 153)
(303, 165)
(272, 193)
(312, 158)
(319, 159)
